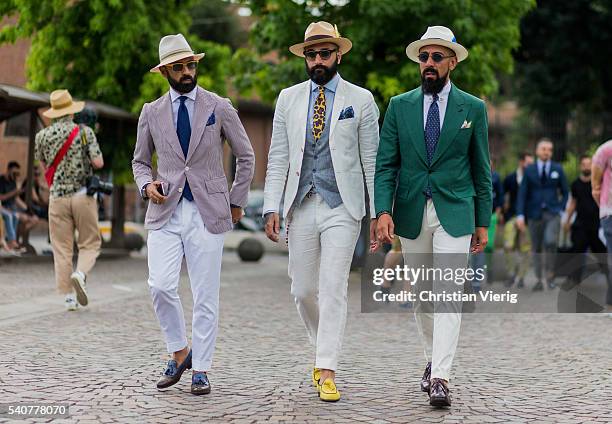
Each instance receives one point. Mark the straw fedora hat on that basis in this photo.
(438, 36)
(321, 32)
(173, 48)
(62, 105)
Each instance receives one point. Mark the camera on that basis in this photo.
(96, 185)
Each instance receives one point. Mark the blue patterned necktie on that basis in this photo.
(432, 134)
(183, 130)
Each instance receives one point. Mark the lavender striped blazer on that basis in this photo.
(203, 165)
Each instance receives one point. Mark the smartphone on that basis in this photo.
(163, 188)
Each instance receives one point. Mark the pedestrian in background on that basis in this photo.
(517, 243)
(585, 228)
(70, 153)
(541, 201)
(601, 184)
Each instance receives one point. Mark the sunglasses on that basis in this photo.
(437, 57)
(178, 67)
(325, 54)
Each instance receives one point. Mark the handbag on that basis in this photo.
(50, 172)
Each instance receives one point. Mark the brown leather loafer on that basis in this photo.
(425, 383)
(439, 395)
(173, 372)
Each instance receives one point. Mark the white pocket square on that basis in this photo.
(466, 124)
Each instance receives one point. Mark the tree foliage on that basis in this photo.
(563, 66)
(380, 31)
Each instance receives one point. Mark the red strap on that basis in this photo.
(50, 172)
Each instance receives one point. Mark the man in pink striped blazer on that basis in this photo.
(190, 207)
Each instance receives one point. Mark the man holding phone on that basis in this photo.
(190, 206)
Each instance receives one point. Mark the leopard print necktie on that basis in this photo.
(318, 117)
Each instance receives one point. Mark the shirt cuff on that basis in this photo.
(143, 191)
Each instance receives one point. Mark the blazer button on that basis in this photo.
(297, 173)
(429, 171)
(186, 168)
(180, 190)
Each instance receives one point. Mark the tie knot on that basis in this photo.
(321, 89)
(435, 97)
(182, 99)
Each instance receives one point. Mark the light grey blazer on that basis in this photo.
(353, 143)
(214, 119)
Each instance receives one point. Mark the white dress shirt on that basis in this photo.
(543, 164)
(442, 102)
(190, 103)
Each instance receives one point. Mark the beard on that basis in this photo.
(184, 85)
(321, 74)
(433, 85)
(586, 173)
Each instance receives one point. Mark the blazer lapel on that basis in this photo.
(413, 111)
(338, 106)
(455, 114)
(301, 114)
(166, 122)
(204, 106)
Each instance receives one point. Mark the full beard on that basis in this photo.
(432, 85)
(184, 85)
(320, 74)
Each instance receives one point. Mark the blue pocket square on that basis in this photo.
(211, 119)
(347, 113)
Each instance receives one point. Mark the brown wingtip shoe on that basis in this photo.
(439, 394)
(425, 383)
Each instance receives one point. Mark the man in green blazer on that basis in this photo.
(433, 189)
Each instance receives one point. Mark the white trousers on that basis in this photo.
(184, 235)
(321, 246)
(439, 331)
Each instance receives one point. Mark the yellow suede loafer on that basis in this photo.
(316, 376)
(328, 391)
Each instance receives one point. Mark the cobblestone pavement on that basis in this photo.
(104, 359)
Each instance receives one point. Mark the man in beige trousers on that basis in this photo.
(70, 208)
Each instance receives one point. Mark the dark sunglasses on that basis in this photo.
(178, 67)
(437, 57)
(325, 54)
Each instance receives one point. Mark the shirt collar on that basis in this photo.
(542, 163)
(331, 85)
(443, 94)
(175, 94)
(63, 119)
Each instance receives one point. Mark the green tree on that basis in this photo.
(380, 31)
(563, 67)
(213, 20)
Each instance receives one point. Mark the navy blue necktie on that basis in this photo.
(183, 130)
(432, 134)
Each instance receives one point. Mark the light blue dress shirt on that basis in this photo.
(330, 93)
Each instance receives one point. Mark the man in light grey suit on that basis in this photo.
(190, 207)
(324, 141)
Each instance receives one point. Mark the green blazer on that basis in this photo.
(460, 171)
